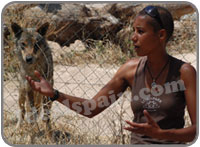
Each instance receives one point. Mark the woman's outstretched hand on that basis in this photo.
(42, 86)
(150, 128)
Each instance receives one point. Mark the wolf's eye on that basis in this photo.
(36, 47)
(23, 45)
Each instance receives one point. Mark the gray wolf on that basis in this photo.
(34, 54)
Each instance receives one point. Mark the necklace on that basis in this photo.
(153, 84)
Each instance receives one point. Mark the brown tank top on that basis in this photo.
(166, 106)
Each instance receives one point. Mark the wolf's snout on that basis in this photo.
(29, 59)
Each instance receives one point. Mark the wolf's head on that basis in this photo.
(30, 43)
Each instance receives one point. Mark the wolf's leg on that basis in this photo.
(32, 116)
(21, 102)
(38, 103)
(46, 117)
(32, 113)
(30, 107)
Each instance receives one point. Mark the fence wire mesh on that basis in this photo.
(87, 51)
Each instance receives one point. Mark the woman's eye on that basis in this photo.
(140, 31)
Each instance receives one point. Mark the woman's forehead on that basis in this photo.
(142, 20)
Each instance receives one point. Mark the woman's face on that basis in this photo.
(145, 40)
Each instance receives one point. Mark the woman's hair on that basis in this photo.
(165, 18)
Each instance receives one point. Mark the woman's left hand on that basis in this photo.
(150, 128)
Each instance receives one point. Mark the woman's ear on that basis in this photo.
(163, 35)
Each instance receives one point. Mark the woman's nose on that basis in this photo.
(134, 37)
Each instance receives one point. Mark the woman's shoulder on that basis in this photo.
(132, 63)
(185, 68)
(129, 68)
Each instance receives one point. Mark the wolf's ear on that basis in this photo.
(16, 29)
(43, 29)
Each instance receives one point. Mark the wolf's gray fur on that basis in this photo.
(34, 54)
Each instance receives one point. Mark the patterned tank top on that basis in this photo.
(166, 104)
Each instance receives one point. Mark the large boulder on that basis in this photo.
(70, 22)
(179, 10)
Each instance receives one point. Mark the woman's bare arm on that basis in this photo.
(188, 75)
(90, 107)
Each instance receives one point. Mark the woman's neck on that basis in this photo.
(156, 62)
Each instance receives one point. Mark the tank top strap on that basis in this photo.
(140, 71)
(174, 68)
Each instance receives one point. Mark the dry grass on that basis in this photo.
(184, 39)
(65, 131)
(100, 52)
(61, 130)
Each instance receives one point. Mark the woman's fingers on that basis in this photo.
(149, 121)
(37, 74)
(128, 128)
(28, 78)
(134, 124)
(149, 128)
(148, 116)
(135, 130)
(33, 84)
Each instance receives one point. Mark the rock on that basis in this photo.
(77, 46)
(123, 37)
(76, 21)
(179, 10)
(57, 51)
(80, 21)
(123, 11)
(191, 17)
(70, 22)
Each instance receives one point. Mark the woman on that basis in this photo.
(161, 85)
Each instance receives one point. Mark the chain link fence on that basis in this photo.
(86, 56)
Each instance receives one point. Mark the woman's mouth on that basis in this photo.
(136, 47)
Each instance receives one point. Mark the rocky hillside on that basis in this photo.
(94, 31)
